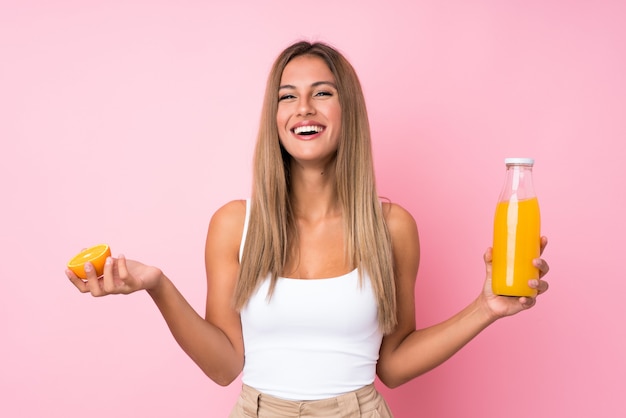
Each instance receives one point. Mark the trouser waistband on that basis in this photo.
(350, 405)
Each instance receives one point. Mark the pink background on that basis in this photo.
(131, 122)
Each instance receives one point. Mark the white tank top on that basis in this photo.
(313, 339)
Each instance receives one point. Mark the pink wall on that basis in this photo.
(130, 122)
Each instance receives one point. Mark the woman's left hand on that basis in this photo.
(501, 306)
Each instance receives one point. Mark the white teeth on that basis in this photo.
(312, 128)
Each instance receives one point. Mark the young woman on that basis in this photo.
(310, 283)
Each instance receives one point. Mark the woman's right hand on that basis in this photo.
(120, 276)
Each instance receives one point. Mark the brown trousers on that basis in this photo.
(363, 403)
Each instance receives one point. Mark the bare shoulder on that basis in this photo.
(230, 214)
(400, 222)
(225, 231)
(404, 241)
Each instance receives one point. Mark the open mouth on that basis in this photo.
(308, 130)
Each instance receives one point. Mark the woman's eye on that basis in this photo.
(286, 97)
(323, 93)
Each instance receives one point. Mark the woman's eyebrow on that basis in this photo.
(316, 84)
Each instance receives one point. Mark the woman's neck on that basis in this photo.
(313, 192)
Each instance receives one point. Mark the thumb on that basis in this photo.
(488, 257)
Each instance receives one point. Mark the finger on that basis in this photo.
(543, 242)
(93, 283)
(527, 302)
(542, 265)
(77, 281)
(487, 256)
(108, 283)
(540, 285)
(122, 269)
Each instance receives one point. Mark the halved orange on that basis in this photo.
(96, 255)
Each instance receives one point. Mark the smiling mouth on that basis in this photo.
(308, 130)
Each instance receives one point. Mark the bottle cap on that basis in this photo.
(519, 161)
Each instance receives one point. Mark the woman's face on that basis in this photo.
(309, 114)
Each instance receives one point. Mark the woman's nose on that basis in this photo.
(305, 106)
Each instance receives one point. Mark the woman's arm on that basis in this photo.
(407, 353)
(215, 342)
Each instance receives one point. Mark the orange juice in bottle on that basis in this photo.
(516, 232)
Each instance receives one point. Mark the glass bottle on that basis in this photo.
(516, 232)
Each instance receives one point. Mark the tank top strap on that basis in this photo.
(245, 229)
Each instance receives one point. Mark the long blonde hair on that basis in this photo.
(271, 230)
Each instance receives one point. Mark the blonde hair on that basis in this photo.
(271, 230)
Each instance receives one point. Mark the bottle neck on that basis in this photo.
(518, 183)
